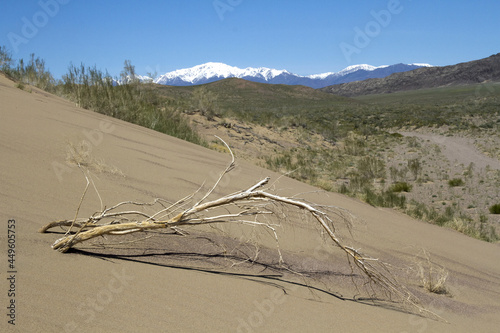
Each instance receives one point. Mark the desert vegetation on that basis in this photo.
(495, 209)
(432, 276)
(32, 72)
(93, 89)
(131, 101)
(363, 154)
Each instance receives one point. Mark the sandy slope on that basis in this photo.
(85, 293)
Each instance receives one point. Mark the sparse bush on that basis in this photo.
(205, 101)
(469, 172)
(297, 163)
(455, 182)
(495, 209)
(370, 167)
(432, 276)
(34, 73)
(384, 199)
(415, 167)
(398, 174)
(354, 144)
(413, 142)
(131, 101)
(5, 60)
(344, 189)
(400, 187)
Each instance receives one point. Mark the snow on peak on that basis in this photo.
(345, 71)
(421, 65)
(218, 70)
(264, 72)
(199, 72)
(213, 71)
(321, 76)
(355, 68)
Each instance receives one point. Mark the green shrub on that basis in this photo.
(5, 60)
(34, 73)
(370, 167)
(495, 209)
(400, 187)
(456, 182)
(354, 145)
(343, 189)
(131, 101)
(384, 199)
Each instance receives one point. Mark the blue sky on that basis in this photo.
(304, 37)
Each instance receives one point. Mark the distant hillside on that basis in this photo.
(272, 105)
(243, 96)
(484, 70)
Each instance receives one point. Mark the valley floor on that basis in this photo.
(440, 157)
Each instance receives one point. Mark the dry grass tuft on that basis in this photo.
(80, 154)
(432, 276)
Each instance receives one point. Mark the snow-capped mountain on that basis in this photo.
(214, 71)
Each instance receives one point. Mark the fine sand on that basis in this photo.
(160, 284)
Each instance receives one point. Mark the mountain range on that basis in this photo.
(472, 72)
(214, 71)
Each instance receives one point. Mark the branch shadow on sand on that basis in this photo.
(205, 255)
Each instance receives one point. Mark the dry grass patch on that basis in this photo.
(431, 275)
(80, 154)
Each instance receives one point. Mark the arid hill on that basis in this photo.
(479, 71)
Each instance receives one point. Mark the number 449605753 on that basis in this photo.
(11, 239)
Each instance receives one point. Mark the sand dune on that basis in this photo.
(149, 286)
